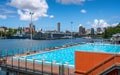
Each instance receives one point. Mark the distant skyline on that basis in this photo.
(47, 13)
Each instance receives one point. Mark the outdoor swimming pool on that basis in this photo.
(67, 54)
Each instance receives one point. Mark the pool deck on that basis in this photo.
(36, 68)
(30, 68)
(20, 65)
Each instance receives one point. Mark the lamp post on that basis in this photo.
(71, 31)
(31, 13)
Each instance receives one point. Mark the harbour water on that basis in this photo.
(26, 43)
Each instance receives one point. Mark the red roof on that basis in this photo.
(89, 62)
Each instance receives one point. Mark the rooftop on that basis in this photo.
(94, 63)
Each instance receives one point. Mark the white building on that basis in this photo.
(2, 29)
(116, 38)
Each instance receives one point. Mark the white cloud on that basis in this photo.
(90, 0)
(80, 25)
(115, 17)
(51, 16)
(11, 16)
(39, 7)
(115, 24)
(88, 23)
(71, 1)
(3, 16)
(100, 23)
(7, 11)
(83, 11)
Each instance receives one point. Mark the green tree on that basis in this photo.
(11, 32)
(105, 33)
(110, 31)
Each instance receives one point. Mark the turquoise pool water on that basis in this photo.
(67, 54)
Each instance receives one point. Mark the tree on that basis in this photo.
(105, 33)
(11, 32)
(108, 32)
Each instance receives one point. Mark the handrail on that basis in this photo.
(114, 65)
(112, 57)
(79, 72)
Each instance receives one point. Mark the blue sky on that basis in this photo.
(47, 13)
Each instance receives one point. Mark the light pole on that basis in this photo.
(71, 31)
(31, 26)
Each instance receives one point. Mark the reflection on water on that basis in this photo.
(26, 43)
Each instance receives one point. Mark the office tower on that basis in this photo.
(58, 26)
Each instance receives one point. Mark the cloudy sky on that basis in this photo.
(88, 13)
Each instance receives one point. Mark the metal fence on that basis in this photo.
(9, 61)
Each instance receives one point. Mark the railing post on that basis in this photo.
(52, 64)
(33, 65)
(51, 68)
(6, 57)
(68, 70)
(61, 69)
(18, 63)
(12, 61)
(26, 63)
(67, 67)
(12, 57)
(42, 65)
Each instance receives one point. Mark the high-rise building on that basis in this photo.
(88, 31)
(81, 30)
(58, 26)
(92, 31)
(99, 30)
(26, 30)
(29, 29)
